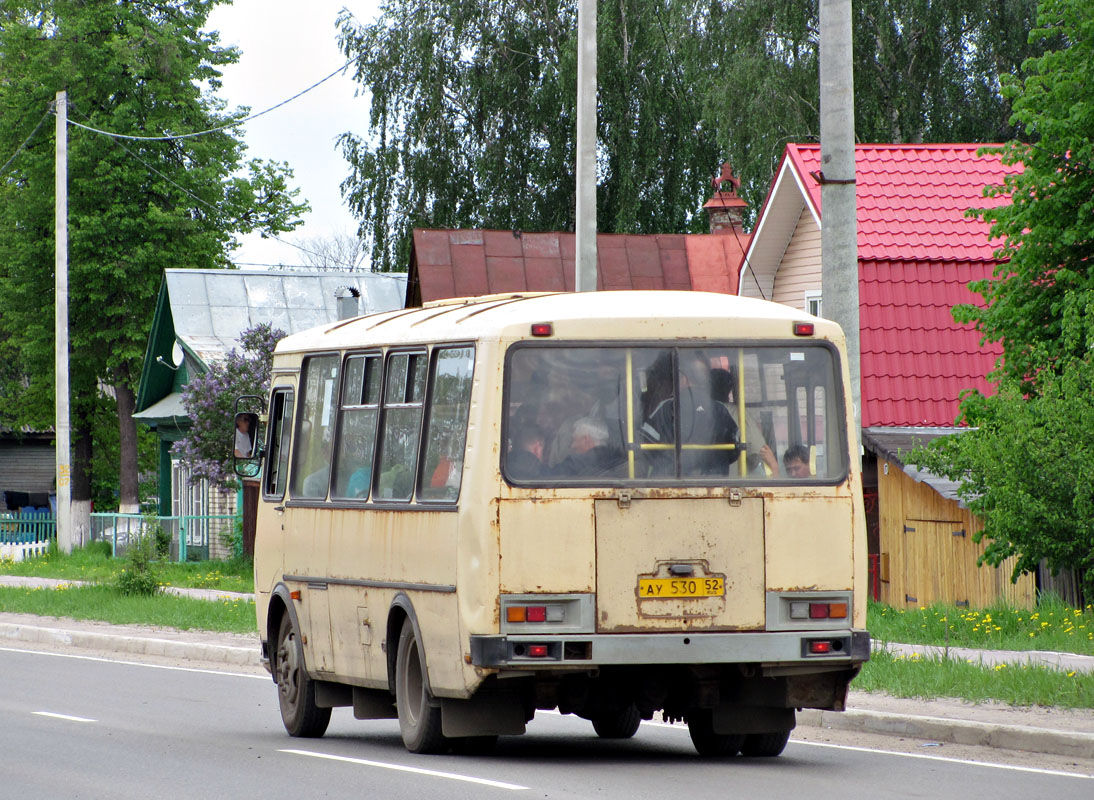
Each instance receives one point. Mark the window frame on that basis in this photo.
(284, 446)
(381, 425)
(365, 355)
(676, 346)
(427, 416)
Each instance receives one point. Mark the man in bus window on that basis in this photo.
(723, 386)
(525, 458)
(796, 461)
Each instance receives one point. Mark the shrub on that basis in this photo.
(138, 575)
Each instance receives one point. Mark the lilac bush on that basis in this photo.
(210, 398)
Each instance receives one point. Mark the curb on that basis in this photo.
(135, 645)
(953, 731)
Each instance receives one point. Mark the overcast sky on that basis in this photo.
(287, 46)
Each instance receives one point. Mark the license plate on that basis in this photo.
(668, 588)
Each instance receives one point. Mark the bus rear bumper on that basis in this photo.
(783, 648)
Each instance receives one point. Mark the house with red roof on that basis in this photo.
(918, 249)
(466, 263)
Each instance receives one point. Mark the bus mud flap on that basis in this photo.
(495, 714)
(752, 719)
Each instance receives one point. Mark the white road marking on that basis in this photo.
(62, 716)
(683, 728)
(403, 768)
(963, 761)
(135, 663)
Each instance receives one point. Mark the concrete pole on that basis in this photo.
(61, 424)
(585, 213)
(839, 224)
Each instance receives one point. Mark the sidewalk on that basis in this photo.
(1063, 732)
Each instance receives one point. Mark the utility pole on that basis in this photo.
(585, 213)
(839, 223)
(61, 425)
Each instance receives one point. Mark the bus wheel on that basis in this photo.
(419, 715)
(621, 724)
(764, 745)
(295, 690)
(709, 743)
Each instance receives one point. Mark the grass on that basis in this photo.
(94, 563)
(926, 678)
(107, 604)
(1053, 625)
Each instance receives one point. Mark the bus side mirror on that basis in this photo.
(246, 445)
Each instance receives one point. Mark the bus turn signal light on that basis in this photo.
(552, 613)
(803, 610)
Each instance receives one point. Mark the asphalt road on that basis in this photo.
(81, 727)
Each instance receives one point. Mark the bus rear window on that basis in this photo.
(610, 415)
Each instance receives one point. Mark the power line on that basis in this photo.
(23, 146)
(235, 124)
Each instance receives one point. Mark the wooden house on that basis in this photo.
(917, 252)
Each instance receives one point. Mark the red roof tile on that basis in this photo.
(912, 199)
(916, 359)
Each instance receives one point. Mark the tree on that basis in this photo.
(136, 206)
(338, 251)
(1040, 302)
(210, 398)
(1026, 465)
(472, 104)
(472, 119)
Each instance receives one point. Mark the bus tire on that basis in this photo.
(295, 690)
(707, 742)
(419, 713)
(764, 745)
(621, 724)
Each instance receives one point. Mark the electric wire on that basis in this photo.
(26, 142)
(235, 124)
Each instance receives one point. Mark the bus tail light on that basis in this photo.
(805, 610)
(820, 647)
(537, 651)
(803, 329)
(548, 613)
(542, 329)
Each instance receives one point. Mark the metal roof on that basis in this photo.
(211, 308)
(894, 444)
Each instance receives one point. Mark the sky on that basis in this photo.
(288, 45)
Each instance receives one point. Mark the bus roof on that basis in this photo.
(622, 315)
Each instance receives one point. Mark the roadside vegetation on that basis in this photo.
(927, 677)
(1052, 625)
(107, 604)
(94, 563)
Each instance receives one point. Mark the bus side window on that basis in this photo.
(446, 429)
(404, 395)
(315, 436)
(357, 434)
(277, 457)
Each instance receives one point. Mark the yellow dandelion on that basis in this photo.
(1071, 674)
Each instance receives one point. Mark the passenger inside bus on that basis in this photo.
(525, 459)
(591, 455)
(796, 461)
(723, 385)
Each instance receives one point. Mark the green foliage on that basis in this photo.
(473, 104)
(107, 604)
(1040, 302)
(134, 207)
(1014, 684)
(1026, 466)
(138, 576)
(1051, 626)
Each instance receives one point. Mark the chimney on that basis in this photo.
(347, 301)
(725, 208)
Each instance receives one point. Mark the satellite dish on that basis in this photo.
(176, 354)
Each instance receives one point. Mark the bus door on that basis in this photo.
(305, 520)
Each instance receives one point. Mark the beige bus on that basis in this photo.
(613, 504)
